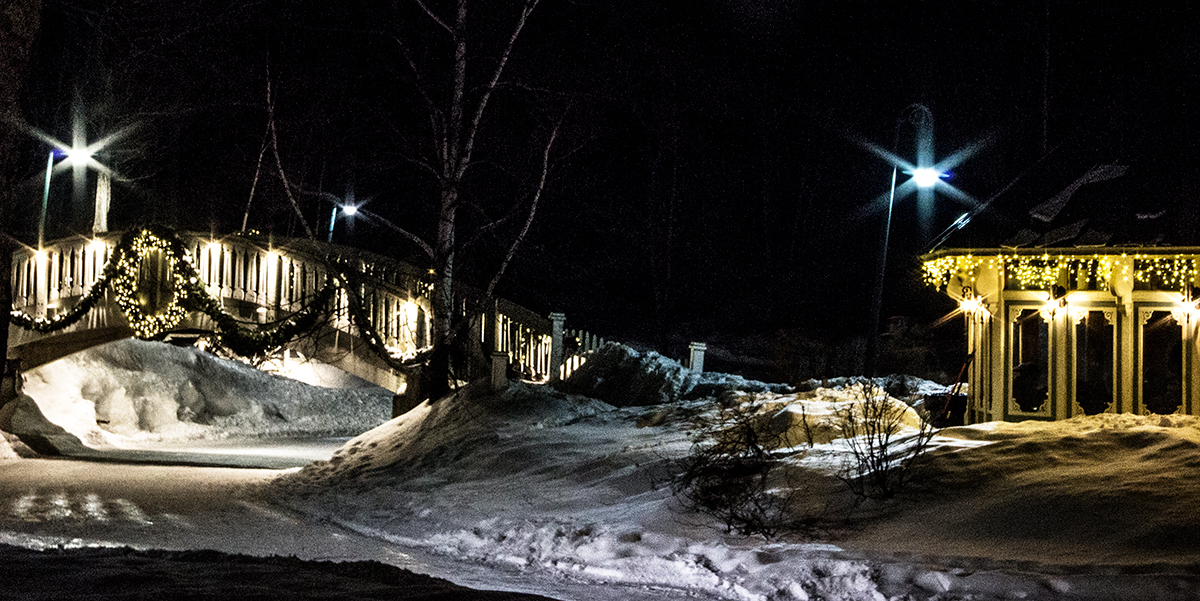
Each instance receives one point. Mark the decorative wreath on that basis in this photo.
(120, 274)
(129, 263)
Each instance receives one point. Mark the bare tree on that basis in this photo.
(456, 113)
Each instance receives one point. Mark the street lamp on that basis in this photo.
(78, 155)
(348, 210)
(924, 178)
(74, 156)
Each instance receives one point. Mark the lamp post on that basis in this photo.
(45, 200)
(924, 178)
(348, 210)
(77, 155)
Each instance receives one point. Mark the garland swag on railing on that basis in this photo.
(361, 321)
(188, 294)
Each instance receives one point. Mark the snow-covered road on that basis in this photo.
(63, 502)
(79, 504)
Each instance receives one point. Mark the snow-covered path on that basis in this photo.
(72, 504)
(49, 502)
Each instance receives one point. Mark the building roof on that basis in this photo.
(1122, 183)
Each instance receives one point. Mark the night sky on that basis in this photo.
(711, 175)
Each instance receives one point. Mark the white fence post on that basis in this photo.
(556, 344)
(499, 379)
(696, 356)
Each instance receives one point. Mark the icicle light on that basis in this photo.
(1075, 271)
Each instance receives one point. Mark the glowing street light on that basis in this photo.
(79, 155)
(348, 210)
(924, 178)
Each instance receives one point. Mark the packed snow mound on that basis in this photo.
(134, 390)
(1109, 489)
(625, 377)
(7, 452)
(567, 486)
(816, 417)
(462, 431)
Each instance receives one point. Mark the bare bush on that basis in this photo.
(733, 472)
(885, 448)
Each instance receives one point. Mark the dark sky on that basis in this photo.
(711, 175)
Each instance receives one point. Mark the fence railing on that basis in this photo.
(260, 280)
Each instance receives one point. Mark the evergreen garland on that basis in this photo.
(189, 294)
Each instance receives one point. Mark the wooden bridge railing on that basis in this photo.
(260, 280)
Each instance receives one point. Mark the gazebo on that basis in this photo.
(1088, 302)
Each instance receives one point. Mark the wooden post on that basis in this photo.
(556, 344)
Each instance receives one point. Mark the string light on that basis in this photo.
(187, 294)
(1075, 271)
(148, 325)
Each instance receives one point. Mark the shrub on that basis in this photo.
(732, 472)
(883, 457)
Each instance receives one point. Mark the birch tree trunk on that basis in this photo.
(454, 146)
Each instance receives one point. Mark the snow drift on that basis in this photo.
(567, 488)
(133, 390)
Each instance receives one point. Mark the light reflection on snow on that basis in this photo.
(79, 507)
(93, 507)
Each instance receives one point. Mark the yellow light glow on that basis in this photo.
(971, 305)
(1076, 271)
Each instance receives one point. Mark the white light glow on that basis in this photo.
(925, 177)
(79, 155)
(350, 210)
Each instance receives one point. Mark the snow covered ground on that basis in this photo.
(566, 493)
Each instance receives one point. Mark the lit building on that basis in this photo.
(1086, 302)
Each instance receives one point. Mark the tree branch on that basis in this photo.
(537, 195)
(435, 18)
(287, 187)
(411, 236)
(469, 138)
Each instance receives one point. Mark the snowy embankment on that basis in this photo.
(564, 490)
(568, 488)
(133, 393)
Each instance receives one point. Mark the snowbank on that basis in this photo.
(625, 377)
(134, 391)
(566, 491)
(566, 486)
(7, 452)
(563, 487)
